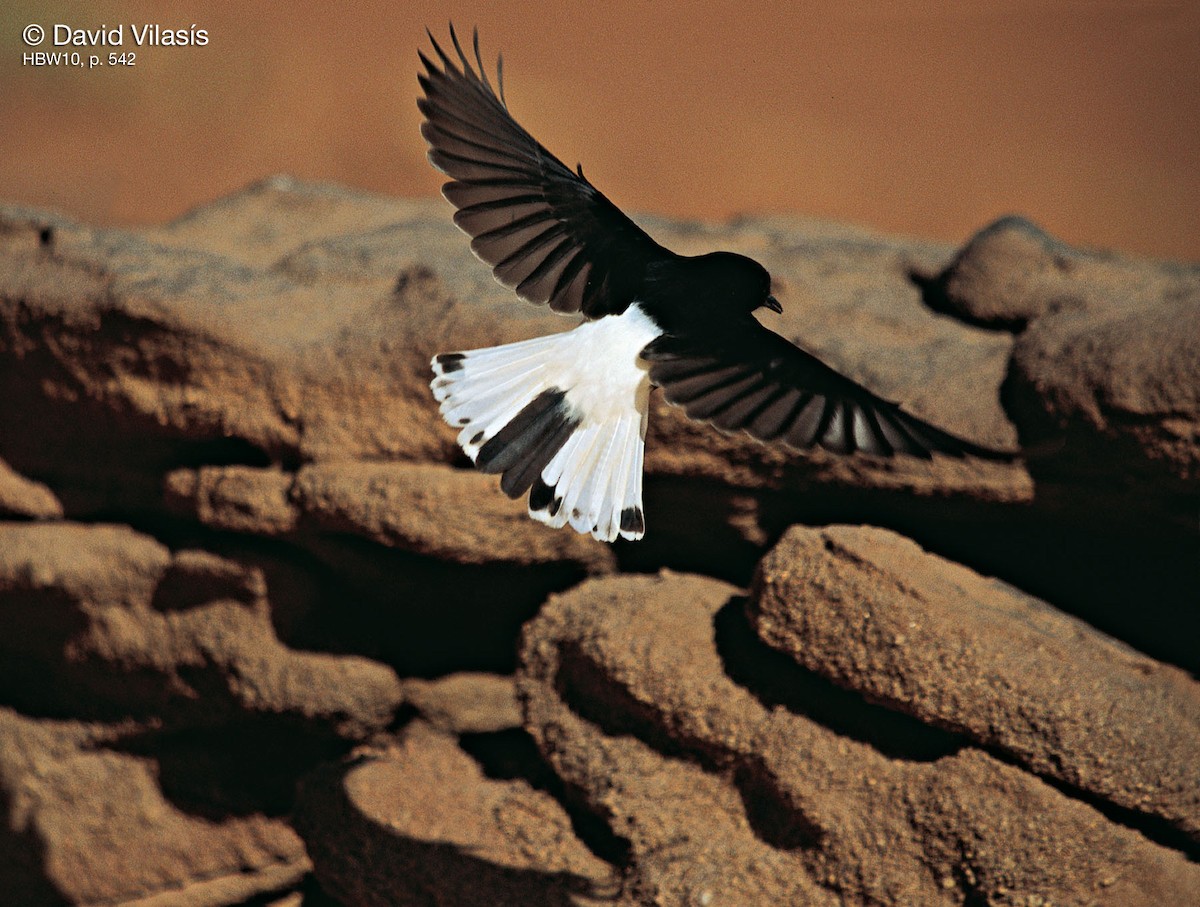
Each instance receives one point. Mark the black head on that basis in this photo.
(683, 289)
(737, 282)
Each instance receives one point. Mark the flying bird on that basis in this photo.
(563, 417)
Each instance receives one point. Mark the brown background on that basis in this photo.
(919, 117)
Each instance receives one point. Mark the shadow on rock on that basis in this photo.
(22, 858)
(426, 617)
(245, 769)
(775, 679)
(419, 821)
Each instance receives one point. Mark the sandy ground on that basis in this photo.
(921, 117)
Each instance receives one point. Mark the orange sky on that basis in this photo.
(912, 116)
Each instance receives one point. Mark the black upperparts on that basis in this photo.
(547, 232)
(684, 294)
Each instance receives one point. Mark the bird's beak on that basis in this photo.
(773, 304)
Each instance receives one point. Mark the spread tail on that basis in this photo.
(533, 414)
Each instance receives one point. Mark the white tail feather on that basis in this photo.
(566, 415)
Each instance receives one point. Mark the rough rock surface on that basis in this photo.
(1107, 358)
(219, 330)
(210, 721)
(431, 510)
(1012, 273)
(1123, 387)
(102, 618)
(871, 611)
(651, 696)
(418, 822)
(62, 841)
(20, 497)
(238, 548)
(466, 703)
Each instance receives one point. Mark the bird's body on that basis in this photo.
(563, 417)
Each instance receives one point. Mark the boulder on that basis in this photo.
(467, 703)
(106, 622)
(1105, 369)
(417, 821)
(84, 821)
(871, 611)
(428, 509)
(736, 777)
(21, 497)
(238, 547)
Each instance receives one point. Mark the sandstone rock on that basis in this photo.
(1123, 386)
(441, 568)
(418, 822)
(222, 332)
(1107, 359)
(21, 497)
(295, 323)
(119, 625)
(245, 499)
(1012, 272)
(871, 611)
(443, 513)
(289, 328)
(85, 824)
(448, 514)
(466, 703)
(696, 745)
(248, 385)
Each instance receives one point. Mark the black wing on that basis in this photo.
(751, 378)
(547, 232)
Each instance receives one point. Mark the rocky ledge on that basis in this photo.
(271, 640)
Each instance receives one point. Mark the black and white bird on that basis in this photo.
(563, 417)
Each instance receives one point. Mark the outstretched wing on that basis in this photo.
(751, 378)
(546, 231)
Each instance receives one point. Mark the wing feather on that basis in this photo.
(751, 379)
(545, 230)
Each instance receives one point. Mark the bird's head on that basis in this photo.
(742, 281)
(710, 288)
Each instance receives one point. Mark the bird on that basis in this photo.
(563, 417)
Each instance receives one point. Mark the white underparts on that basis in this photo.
(588, 381)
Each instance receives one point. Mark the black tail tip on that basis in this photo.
(633, 520)
(541, 495)
(449, 362)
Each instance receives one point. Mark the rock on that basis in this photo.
(873, 612)
(398, 536)
(83, 823)
(448, 514)
(1012, 272)
(21, 497)
(466, 703)
(697, 745)
(443, 513)
(164, 335)
(289, 328)
(123, 626)
(1105, 372)
(1123, 386)
(418, 822)
(248, 387)
(245, 499)
(228, 336)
